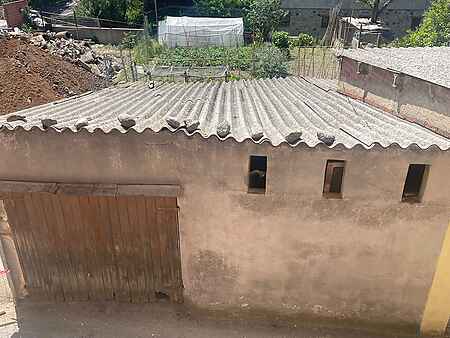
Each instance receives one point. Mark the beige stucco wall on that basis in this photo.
(413, 99)
(368, 256)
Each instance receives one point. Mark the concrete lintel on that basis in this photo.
(161, 190)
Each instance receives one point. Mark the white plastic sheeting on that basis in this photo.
(201, 32)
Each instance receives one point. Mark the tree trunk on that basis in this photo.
(376, 5)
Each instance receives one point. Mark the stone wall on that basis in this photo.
(412, 98)
(306, 16)
(290, 251)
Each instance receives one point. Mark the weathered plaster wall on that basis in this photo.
(413, 99)
(368, 256)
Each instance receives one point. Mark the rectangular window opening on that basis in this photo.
(334, 174)
(257, 175)
(415, 183)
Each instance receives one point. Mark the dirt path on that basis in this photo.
(110, 320)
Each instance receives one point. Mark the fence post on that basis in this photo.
(360, 35)
(378, 39)
(298, 61)
(123, 64)
(76, 23)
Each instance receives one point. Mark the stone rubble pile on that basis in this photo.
(75, 51)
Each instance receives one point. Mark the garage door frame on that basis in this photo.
(13, 189)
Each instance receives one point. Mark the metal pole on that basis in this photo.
(76, 23)
(156, 11)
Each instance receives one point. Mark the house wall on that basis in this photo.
(305, 15)
(290, 251)
(13, 12)
(413, 99)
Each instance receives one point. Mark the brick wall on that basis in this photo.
(13, 12)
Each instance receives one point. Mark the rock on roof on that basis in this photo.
(427, 63)
(292, 110)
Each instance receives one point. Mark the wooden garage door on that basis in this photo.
(97, 248)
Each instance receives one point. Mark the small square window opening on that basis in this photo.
(257, 174)
(334, 174)
(415, 183)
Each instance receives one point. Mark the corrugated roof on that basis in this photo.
(428, 63)
(291, 110)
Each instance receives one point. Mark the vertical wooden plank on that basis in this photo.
(106, 246)
(75, 246)
(145, 235)
(89, 215)
(168, 226)
(23, 247)
(125, 258)
(84, 243)
(163, 241)
(68, 274)
(121, 289)
(36, 232)
(53, 256)
(89, 240)
(137, 252)
(150, 203)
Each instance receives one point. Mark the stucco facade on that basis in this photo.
(306, 16)
(409, 97)
(366, 257)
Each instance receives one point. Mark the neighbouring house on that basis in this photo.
(312, 16)
(357, 32)
(13, 12)
(274, 196)
(412, 83)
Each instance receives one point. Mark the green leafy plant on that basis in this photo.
(305, 40)
(145, 50)
(270, 62)
(280, 39)
(264, 17)
(219, 8)
(434, 30)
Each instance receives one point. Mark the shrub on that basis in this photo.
(280, 39)
(269, 62)
(145, 50)
(305, 40)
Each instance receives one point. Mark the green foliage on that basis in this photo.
(270, 62)
(434, 30)
(219, 8)
(235, 58)
(104, 9)
(129, 41)
(280, 39)
(263, 17)
(305, 40)
(145, 50)
(135, 11)
(302, 40)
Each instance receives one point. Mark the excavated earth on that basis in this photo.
(29, 76)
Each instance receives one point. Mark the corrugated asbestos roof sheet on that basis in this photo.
(428, 63)
(291, 110)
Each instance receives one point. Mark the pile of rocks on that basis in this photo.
(78, 52)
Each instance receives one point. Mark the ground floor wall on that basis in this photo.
(367, 256)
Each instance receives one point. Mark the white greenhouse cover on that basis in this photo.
(201, 32)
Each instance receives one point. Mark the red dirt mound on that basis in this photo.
(30, 76)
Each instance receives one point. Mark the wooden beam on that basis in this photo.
(89, 189)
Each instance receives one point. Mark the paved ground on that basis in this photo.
(101, 320)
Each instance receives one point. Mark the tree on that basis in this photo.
(434, 30)
(377, 7)
(218, 8)
(263, 17)
(130, 11)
